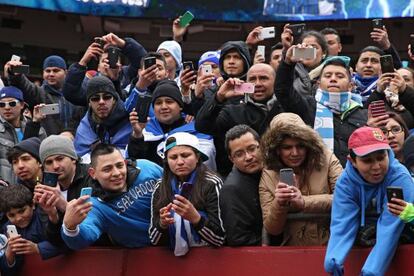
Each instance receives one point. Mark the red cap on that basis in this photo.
(365, 140)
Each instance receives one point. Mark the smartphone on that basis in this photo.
(206, 69)
(11, 231)
(113, 56)
(186, 189)
(268, 32)
(15, 58)
(261, 50)
(297, 29)
(143, 106)
(50, 109)
(387, 65)
(149, 61)
(188, 65)
(86, 191)
(286, 176)
(100, 41)
(304, 53)
(247, 88)
(377, 108)
(377, 23)
(186, 18)
(394, 192)
(50, 179)
(21, 69)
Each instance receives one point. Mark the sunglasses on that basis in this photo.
(97, 98)
(10, 104)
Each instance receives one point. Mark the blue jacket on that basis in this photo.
(351, 197)
(124, 217)
(34, 232)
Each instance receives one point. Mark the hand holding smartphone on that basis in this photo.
(246, 88)
(268, 32)
(297, 29)
(377, 23)
(304, 53)
(188, 65)
(143, 107)
(86, 191)
(261, 50)
(50, 109)
(387, 64)
(50, 179)
(186, 18)
(113, 56)
(149, 61)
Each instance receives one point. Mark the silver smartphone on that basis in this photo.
(12, 231)
(286, 176)
(304, 53)
(50, 109)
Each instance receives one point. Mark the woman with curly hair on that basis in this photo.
(300, 211)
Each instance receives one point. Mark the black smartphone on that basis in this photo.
(286, 176)
(21, 69)
(188, 65)
(100, 41)
(50, 179)
(149, 61)
(186, 189)
(143, 106)
(387, 65)
(113, 56)
(297, 29)
(377, 23)
(394, 192)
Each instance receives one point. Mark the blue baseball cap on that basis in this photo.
(11, 92)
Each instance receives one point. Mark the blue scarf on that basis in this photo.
(365, 86)
(154, 132)
(328, 103)
(182, 234)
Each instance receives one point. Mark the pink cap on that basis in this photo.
(365, 140)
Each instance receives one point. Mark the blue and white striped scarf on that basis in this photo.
(328, 103)
(182, 234)
(154, 132)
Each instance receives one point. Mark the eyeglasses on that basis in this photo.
(393, 130)
(97, 98)
(241, 154)
(10, 104)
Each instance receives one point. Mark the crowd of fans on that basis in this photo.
(159, 152)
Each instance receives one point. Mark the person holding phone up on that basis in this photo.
(185, 203)
(289, 143)
(370, 169)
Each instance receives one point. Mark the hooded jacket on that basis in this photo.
(243, 50)
(351, 197)
(311, 225)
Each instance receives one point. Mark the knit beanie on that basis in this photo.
(168, 88)
(31, 146)
(212, 56)
(54, 61)
(174, 49)
(408, 152)
(57, 145)
(100, 84)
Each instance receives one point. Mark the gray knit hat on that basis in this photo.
(57, 145)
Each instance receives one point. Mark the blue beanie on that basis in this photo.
(174, 49)
(54, 61)
(11, 92)
(212, 56)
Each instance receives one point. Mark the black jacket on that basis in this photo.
(240, 209)
(301, 103)
(242, 48)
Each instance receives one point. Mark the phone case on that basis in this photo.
(377, 23)
(286, 176)
(268, 32)
(247, 88)
(304, 53)
(113, 56)
(261, 50)
(12, 231)
(21, 69)
(143, 106)
(50, 109)
(387, 64)
(149, 61)
(15, 58)
(207, 69)
(297, 29)
(186, 18)
(50, 179)
(394, 192)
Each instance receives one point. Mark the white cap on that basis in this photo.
(183, 139)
